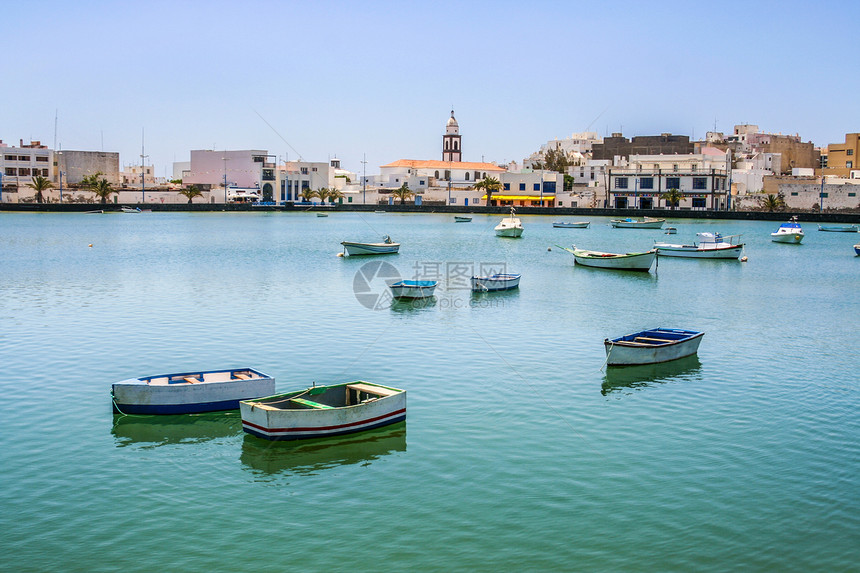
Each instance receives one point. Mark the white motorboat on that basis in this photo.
(709, 246)
(789, 232)
(646, 223)
(495, 282)
(510, 226)
(386, 247)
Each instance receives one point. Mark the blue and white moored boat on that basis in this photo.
(857, 250)
(190, 392)
(495, 282)
(413, 289)
(790, 232)
(323, 411)
(652, 346)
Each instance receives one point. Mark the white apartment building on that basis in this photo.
(18, 166)
(702, 178)
(577, 147)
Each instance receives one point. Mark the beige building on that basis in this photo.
(842, 157)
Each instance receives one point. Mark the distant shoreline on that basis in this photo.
(440, 209)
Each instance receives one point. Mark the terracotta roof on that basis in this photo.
(433, 164)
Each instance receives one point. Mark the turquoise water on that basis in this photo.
(519, 452)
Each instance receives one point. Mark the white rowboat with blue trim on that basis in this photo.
(323, 411)
(496, 282)
(413, 289)
(652, 346)
(190, 392)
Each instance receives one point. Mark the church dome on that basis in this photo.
(451, 121)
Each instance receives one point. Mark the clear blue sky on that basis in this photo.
(380, 78)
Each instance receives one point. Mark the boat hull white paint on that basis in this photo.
(271, 423)
(399, 290)
(495, 283)
(356, 249)
(694, 252)
(646, 224)
(618, 354)
(794, 238)
(627, 262)
(172, 394)
(578, 225)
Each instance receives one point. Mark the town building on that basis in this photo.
(640, 181)
(243, 171)
(619, 146)
(19, 165)
(841, 158)
(807, 192)
(748, 140)
(577, 148)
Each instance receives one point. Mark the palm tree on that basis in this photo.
(191, 192)
(403, 193)
(772, 202)
(103, 190)
(334, 195)
(489, 185)
(40, 184)
(308, 194)
(323, 193)
(672, 197)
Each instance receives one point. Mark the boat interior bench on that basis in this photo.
(651, 341)
(309, 403)
(368, 389)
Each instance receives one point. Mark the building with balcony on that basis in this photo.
(244, 169)
(702, 180)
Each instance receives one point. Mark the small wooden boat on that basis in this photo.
(671, 231)
(646, 223)
(857, 250)
(789, 232)
(386, 247)
(130, 209)
(190, 392)
(618, 261)
(413, 289)
(652, 346)
(510, 226)
(709, 246)
(576, 225)
(462, 219)
(495, 282)
(322, 214)
(323, 411)
(839, 228)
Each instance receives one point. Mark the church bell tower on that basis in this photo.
(451, 150)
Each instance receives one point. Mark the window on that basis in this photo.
(314, 169)
(673, 183)
(23, 158)
(44, 172)
(467, 175)
(646, 183)
(849, 152)
(675, 168)
(698, 202)
(10, 157)
(522, 186)
(446, 145)
(258, 159)
(507, 186)
(700, 182)
(477, 175)
(549, 186)
(268, 174)
(824, 195)
(45, 159)
(420, 182)
(436, 174)
(592, 175)
(349, 199)
(304, 170)
(852, 194)
(849, 164)
(11, 171)
(537, 186)
(794, 193)
(24, 171)
(447, 175)
(621, 183)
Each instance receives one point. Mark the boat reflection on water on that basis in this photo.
(411, 305)
(620, 378)
(161, 430)
(306, 457)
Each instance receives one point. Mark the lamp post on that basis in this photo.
(225, 158)
(142, 177)
(364, 178)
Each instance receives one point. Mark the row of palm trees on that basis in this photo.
(322, 194)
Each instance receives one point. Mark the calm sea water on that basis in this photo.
(519, 452)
